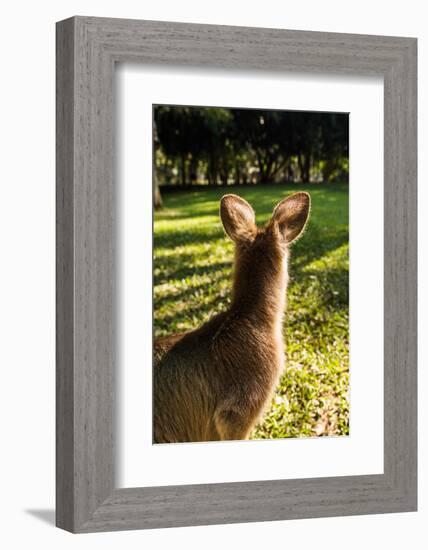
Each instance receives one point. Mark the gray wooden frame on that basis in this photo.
(87, 50)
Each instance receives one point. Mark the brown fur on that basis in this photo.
(213, 383)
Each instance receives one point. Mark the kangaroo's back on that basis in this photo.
(214, 382)
(184, 396)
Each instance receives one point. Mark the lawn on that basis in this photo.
(192, 278)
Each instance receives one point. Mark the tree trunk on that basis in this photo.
(212, 171)
(300, 164)
(224, 176)
(237, 174)
(183, 169)
(193, 170)
(157, 199)
(307, 168)
(304, 167)
(328, 169)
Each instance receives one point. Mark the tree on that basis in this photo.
(335, 131)
(157, 198)
(174, 127)
(218, 145)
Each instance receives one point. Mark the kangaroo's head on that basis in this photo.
(261, 252)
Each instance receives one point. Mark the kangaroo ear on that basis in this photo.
(238, 218)
(291, 215)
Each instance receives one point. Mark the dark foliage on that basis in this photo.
(219, 146)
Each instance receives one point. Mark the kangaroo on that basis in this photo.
(214, 383)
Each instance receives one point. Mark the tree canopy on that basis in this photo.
(220, 146)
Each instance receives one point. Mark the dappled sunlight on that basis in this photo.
(192, 282)
(186, 303)
(337, 258)
(197, 250)
(187, 224)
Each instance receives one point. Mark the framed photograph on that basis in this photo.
(236, 274)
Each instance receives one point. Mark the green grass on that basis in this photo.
(192, 274)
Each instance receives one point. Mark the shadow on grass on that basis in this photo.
(327, 231)
(262, 197)
(327, 228)
(315, 244)
(173, 319)
(166, 272)
(190, 292)
(329, 296)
